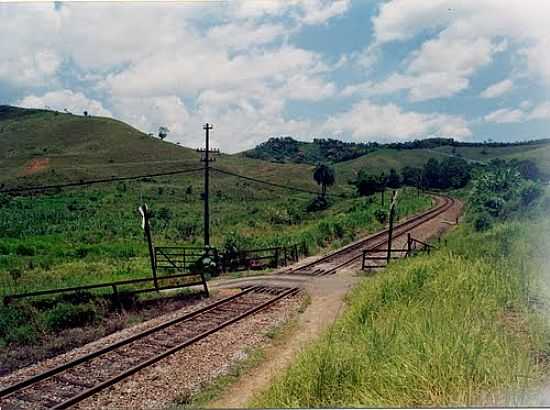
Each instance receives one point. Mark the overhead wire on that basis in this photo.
(96, 181)
(259, 181)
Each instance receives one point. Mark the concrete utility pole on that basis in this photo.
(206, 159)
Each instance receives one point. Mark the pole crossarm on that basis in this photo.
(207, 160)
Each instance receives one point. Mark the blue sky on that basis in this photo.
(360, 70)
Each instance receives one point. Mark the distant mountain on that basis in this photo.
(41, 146)
(289, 150)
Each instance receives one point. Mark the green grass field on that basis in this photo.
(457, 328)
(94, 235)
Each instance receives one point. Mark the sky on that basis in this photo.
(361, 70)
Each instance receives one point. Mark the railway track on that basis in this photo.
(350, 254)
(68, 384)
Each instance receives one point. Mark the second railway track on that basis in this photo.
(350, 254)
(68, 384)
(77, 379)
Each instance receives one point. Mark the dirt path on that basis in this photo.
(327, 300)
(327, 303)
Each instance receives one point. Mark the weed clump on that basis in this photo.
(66, 315)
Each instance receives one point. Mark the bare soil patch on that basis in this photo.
(35, 165)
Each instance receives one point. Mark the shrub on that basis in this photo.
(81, 252)
(12, 320)
(529, 193)
(15, 273)
(381, 216)
(25, 250)
(318, 204)
(482, 221)
(22, 335)
(65, 315)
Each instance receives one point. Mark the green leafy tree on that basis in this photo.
(368, 184)
(163, 133)
(324, 176)
(431, 173)
(528, 170)
(394, 181)
(410, 176)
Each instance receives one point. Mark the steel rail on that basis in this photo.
(86, 358)
(400, 230)
(91, 391)
(396, 235)
(49, 373)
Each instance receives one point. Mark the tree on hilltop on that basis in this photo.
(163, 133)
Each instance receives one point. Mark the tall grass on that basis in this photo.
(451, 329)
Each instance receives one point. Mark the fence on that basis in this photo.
(261, 258)
(413, 245)
(116, 287)
(177, 258)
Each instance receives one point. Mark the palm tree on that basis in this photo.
(324, 176)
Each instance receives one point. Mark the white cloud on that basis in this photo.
(441, 67)
(497, 89)
(27, 58)
(505, 116)
(309, 12)
(321, 11)
(468, 20)
(389, 122)
(148, 114)
(60, 100)
(242, 36)
(206, 69)
(540, 112)
(522, 114)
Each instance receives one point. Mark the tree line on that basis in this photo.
(448, 173)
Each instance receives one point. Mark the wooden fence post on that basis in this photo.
(276, 259)
(146, 214)
(409, 244)
(390, 231)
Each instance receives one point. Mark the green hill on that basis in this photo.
(45, 146)
(350, 157)
(41, 147)
(287, 149)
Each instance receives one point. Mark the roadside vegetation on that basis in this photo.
(462, 327)
(87, 236)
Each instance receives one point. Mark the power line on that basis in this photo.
(259, 181)
(96, 181)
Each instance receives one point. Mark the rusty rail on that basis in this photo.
(217, 309)
(354, 251)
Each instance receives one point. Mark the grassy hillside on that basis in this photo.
(384, 160)
(457, 328)
(41, 147)
(287, 149)
(350, 157)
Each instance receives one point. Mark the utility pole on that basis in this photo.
(206, 159)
